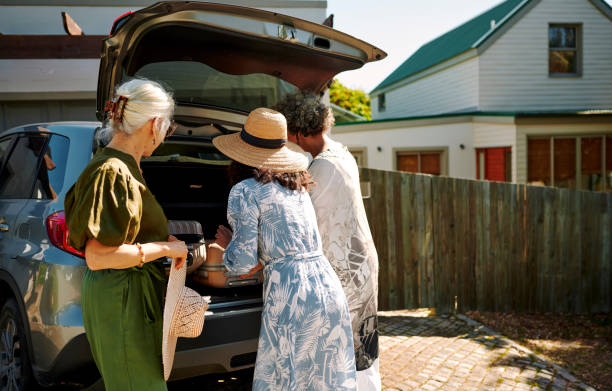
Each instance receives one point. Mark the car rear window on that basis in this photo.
(183, 152)
(197, 83)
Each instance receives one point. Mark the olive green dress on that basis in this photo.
(122, 309)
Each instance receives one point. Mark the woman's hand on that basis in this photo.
(252, 271)
(223, 236)
(177, 250)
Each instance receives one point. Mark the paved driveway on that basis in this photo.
(423, 352)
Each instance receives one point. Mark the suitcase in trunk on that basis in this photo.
(213, 272)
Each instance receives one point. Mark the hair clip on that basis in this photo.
(115, 108)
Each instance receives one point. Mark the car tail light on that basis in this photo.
(58, 233)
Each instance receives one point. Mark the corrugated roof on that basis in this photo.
(469, 35)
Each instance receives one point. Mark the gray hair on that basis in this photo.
(146, 100)
(306, 113)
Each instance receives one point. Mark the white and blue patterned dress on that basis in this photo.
(305, 341)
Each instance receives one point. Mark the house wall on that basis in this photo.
(31, 111)
(553, 127)
(514, 69)
(447, 135)
(450, 89)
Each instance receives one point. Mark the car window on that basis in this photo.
(19, 172)
(196, 83)
(188, 153)
(52, 169)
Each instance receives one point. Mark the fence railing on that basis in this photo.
(473, 245)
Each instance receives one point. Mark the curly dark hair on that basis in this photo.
(238, 172)
(306, 113)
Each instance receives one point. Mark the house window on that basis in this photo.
(575, 162)
(424, 162)
(359, 153)
(494, 164)
(382, 103)
(563, 50)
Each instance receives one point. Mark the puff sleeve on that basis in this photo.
(243, 215)
(104, 204)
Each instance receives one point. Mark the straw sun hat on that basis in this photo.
(262, 143)
(183, 314)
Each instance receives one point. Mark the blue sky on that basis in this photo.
(399, 27)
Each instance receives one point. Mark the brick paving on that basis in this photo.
(423, 352)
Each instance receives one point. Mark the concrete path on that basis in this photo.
(423, 352)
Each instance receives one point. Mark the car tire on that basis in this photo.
(15, 369)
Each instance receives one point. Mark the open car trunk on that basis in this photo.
(196, 48)
(190, 180)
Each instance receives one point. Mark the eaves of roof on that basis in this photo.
(517, 114)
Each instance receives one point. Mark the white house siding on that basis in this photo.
(447, 135)
(452, 89)
(514, 70)
(18, 113)
(491, 132)
(48, 75)
(552, 127)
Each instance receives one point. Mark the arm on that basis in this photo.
(240, 256)
(99, 256)
(103, 212)
(224, 237)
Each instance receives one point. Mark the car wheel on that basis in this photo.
(15, 371)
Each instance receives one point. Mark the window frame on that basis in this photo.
(382, 102)
(578, 50)
(578, 158)
(443, 151)
(481, 164)
(363, 151)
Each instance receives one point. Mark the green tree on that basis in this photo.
(356, 101)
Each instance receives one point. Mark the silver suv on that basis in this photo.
(220, 62)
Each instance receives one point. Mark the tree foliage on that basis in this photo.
(356, 101)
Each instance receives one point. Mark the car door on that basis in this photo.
(17, 182)
(5, 148)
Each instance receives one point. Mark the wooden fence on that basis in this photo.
(457, 244)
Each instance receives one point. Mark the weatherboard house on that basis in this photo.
(521, 93)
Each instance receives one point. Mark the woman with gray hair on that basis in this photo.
(345, 233)
(115, 220)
